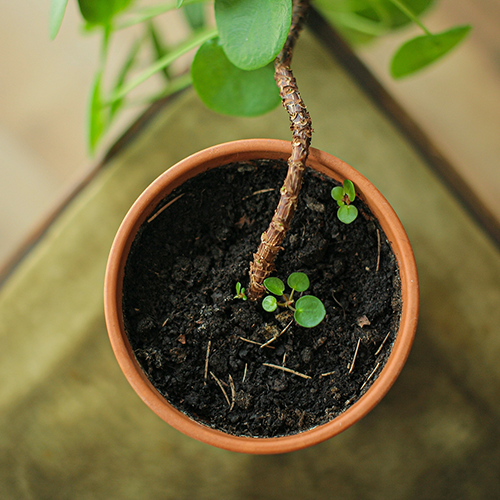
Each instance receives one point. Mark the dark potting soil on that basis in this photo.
(199, 346)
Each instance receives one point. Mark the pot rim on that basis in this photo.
(227, 153)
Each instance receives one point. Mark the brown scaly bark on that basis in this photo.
(300, 125)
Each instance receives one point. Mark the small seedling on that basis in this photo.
(344, 195)
(240, 292)
(308, 310)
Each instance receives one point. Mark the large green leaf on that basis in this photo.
(393, 16)
(229, 90)
(424, 50)
(96, 116)
(252, 32)
(57, 9)
(101, 12)
(122, 76)
(359, 21)
(195, 15)
(385, 12)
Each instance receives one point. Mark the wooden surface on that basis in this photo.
(71, 427)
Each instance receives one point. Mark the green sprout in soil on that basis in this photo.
(240, 292)
(344, 196)
(308, 310)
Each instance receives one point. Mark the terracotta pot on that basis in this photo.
(214, 157)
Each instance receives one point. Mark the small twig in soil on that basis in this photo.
(382, 344)
(267, 190)
(256, 343)
(341, 306)
(233, 392)
(327, 374)
(165, 207)
(261, 191)
(301, 419)
(284, 359)
(378, 252)
(354, 358)
(245, 373)
(221, 388)
(370, 376)
(266, 344)
(288, 370)
(244, 220)
(206, 361)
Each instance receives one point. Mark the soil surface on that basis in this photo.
(199, 346)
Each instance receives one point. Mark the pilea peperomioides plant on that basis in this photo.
(308, 310)
(344, 196)
(232, 70)
(233, 73)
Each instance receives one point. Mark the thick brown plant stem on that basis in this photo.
(272, 238)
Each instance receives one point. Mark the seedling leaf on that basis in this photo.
(253, 32)
(298, 281)
(349, 189)
(347, 213)
(274, 285)
(338, 193)
(309, 311)
(240, 292)
(269, 303)
(421, 51)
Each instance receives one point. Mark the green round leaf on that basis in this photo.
(424, 50)
(338, 193)
(298, 281)
(275, 285)
(309, 311)
(229, 90)
(99, 12)
(269, 303)
(391, 15)
(359, 21)
(253, 32)
(347, 213)
(349, 189)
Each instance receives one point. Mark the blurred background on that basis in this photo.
(44, 89)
